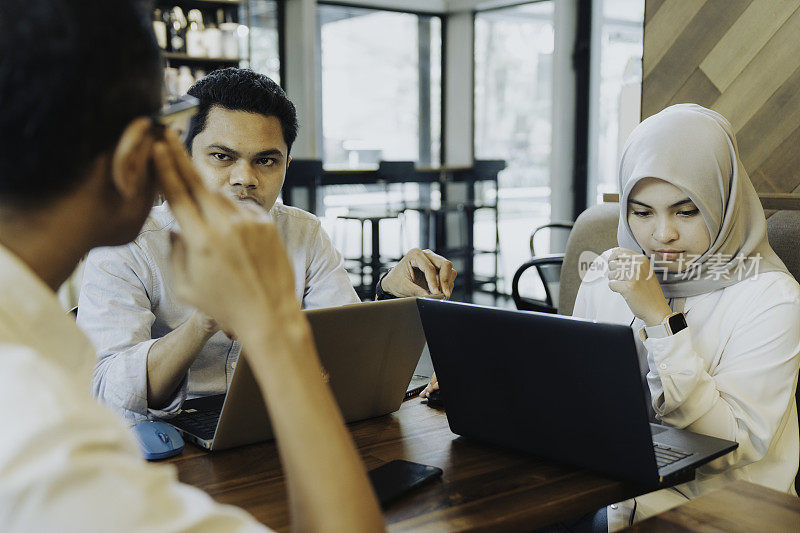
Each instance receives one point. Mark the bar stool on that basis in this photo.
(374, 261)
(389, 172)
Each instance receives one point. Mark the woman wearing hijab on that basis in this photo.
(716, 313)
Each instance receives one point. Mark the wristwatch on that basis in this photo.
(381, 294)
(671, 325)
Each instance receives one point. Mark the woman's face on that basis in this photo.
(666, 224)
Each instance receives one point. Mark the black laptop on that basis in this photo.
(562, 388)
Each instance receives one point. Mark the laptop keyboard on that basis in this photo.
(666, 455)
(201, 423)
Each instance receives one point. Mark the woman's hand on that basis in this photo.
(631, 275)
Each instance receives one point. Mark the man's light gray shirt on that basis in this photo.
(127, 302)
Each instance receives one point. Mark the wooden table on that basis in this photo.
(738, 507)
(483, 487)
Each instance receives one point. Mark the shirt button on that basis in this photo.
(233, 365)
(663, 366)
(615, 506)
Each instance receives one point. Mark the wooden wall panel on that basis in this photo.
(741, 58)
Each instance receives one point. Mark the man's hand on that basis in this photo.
(631, 275)
(170, 357)
(207, 324)
(432, 386)
(420, 273)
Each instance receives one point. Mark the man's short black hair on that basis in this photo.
(72, 76)
(239, 89)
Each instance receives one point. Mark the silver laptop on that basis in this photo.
(368, 352)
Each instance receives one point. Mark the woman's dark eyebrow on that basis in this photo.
(676, 204)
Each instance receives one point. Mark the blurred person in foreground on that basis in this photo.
(79, 167)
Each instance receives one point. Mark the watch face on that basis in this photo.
(677, 322)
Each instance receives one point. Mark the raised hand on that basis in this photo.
(631, 275)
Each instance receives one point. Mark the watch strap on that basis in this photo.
(672, 324)
(659, 331)
(381, 294)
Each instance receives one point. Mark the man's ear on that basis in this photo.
(130, 158)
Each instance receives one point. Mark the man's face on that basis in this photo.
(243, 155)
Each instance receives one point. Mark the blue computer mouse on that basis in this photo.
(158, 440)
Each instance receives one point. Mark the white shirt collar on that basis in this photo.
(31, 315)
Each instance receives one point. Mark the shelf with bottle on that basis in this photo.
(208, 33)
(178, 80)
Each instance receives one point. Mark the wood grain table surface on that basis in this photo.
(484, 488)
(737, 508)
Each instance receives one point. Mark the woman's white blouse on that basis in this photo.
(731, 374)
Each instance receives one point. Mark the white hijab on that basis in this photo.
(694, 149)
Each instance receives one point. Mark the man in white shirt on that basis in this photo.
(153, 350)
(66, 462)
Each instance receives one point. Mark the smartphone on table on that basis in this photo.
(399, 477)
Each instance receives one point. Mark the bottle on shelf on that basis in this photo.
(177, 30)
(212, 38)
(195, 43)
(185, 79)
(171, 83)
(230, 37)
(160, 29)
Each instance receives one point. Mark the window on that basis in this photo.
(616, 88)
(381, 101)
(263, 37)
(381, 86)
(513, 121)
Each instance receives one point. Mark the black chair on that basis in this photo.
(595, 231)
(549, 270)
(552, 225)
